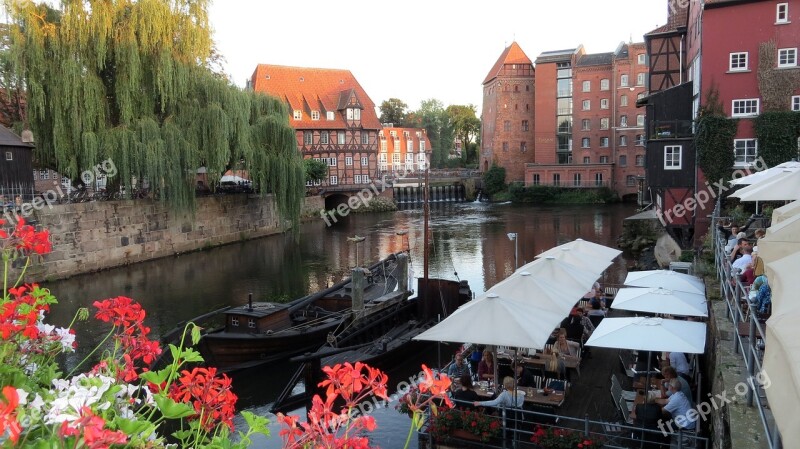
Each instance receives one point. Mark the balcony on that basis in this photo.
(671, 129)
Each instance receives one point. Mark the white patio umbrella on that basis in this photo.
(581, 260)
(783, 239)
(782, 366)
(782, 276)
(661, 300)
(567, 277)
(504, 321)
(666, 279)
(766, 175)
(650, 334)
(785, 212)
(539, 291)
(784, 186)
(585, 246)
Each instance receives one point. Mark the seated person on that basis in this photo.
(573, 326)
(465, 394)
(678, 361)
(642, 408)
(763, 299)
(507, 398)
(563, 348)
(486, 366)
(524, 377)
(597, 309)
(741, 242)
(458, 367)
(669, 374)
(678, 407)
(746, 258)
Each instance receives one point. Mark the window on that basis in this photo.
(640, 58)
(640, 139)
(796, 103)
(410, 146)
(623, 161)
(745, 151)
(587, 160)
(604, 142)
(672, 157)
(251, 323)
(308, 137)
(340, 137)
(235, 321)
(623, 81)
(524, 125)
(334, 180)
(505, 146)
(604, 159)
(623, 121)
(314, 115)
(604, 123)
(35, 174)
(745, 108)
(395, 158)
(604, 103)
(536, 179)
(331, 161)
(640, 120)
(507, 125)
(623, 141)
(556, 179)
(576, 179)
(44, 174)
(409, 158)
(782, 13)
(382, 157)
(640, 79)
(330, 115)
(587, 105)
(585, 142)
(640, 160)
(357, 179)
(587, 86)
(421, 157)
(384, 146)
(298, 114)
(523, 147)
(738, 61)
(405, 134)
(365, 179)
(787, 57)
(586, 124)
(630, 180)
(9, 156)
(623, 100)
(604, 84)
(421, 146)
(364, 161)
(348, 160)
(365, 138)
(323, 137)
(598, 179)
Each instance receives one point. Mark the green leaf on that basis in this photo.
(191, 355)
(257, 424)
(156, 377)
(195, 334)
(133, 427)
(171, 409)
(182, 435)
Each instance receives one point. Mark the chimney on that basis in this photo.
(27, 136)
(678, 13)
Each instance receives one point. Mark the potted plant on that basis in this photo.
(461, 423)
(556, 438)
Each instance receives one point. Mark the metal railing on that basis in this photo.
(748, 333)
(671, 129)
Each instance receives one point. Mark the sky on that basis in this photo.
(415, 50)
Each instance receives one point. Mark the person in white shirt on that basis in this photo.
(678, 407)
(678, 361)
(506, 398)
(741, 263)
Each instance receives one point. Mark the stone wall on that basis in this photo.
(92, 236)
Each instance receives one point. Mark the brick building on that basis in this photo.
(586, 130)
(402, 150)
(333, 117)
(508, 114)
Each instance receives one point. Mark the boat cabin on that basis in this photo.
(258, 318)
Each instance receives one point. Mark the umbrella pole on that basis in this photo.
(646, 393)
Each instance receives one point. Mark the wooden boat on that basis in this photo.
(261, 332)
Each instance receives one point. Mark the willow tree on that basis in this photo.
(129, 80)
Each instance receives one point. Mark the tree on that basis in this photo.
(433, 117)
(494, 180)
(130, 81)
(713, 140)
(315, 169)
(466, 126)
(393, 110)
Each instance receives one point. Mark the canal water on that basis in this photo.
(469, 241)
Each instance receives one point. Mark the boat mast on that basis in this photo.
(425, 214)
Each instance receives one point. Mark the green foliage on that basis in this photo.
(494, 180)
(433, 117)
(393, 111)
(776, 84)
(713, 140)
(130, 81)
(377, 204)
(315, 169)
(561, 195)
(466, 125)
(777, 134)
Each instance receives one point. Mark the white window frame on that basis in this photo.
(364, 161)
(324, 138)
(586, 142)
(639, 160)
(251, 323)
(357, 179)
(586, 124)
(409, 158)
(598, 179)
(604, 142)
(421, 146)
(333, 180)
(330, 115)
(409, 146)
(348, 160)
(587, 160)
(640, 120)
(298, 114)
(623, 101)
(587, 86)
(795, 104)
(623, 121)
(308, 137)
(314, 115)
(576, 179)
(641, 78)
(35, 174)
(623, 141)
(395, 158)
(604, 123)
(604, 84)
(586, 105)
(753, 157)
(384, 146)
(604, 103)
(365, 179)
(9, 155)
(624, 80)
(736, 59)
(349, 114)
(744, 105)
(44, 174)
(641, 59)
(604, 159)
(671, 162)
(364, 138)
(639, 140)
(340, 137)
(235, 321)
(623, 160)
(782, 13)
(331, 161)
(791, 56)
(357, 114)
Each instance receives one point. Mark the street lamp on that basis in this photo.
(513, 237)
(357, 239)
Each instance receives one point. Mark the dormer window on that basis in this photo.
(330, 115)
(314, 115)
(393, 133)
(298, 114)
(405, 134)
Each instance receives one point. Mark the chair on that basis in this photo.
(626, 412)
(558, 385)
(629, 395)
(537, 380)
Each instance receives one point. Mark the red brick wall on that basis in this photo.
(545, 129)
(510, 102)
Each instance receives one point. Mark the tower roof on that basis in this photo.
(513, 54)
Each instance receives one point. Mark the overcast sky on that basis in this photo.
(413, 49)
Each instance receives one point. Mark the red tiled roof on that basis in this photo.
(322, 90)
(513, 54)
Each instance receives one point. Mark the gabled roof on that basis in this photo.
(513, 54)
(677, 18)
(558, 55)
(595, 59)
(9, 139)
(323, 90)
